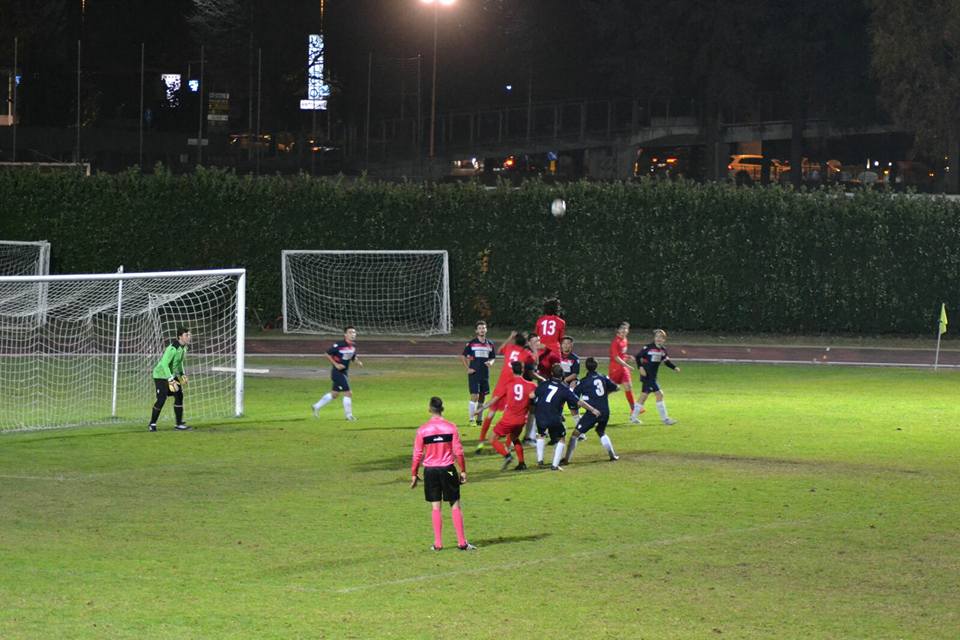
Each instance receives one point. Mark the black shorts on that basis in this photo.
(340, 380)
(162, 388)
(589, 421)
(479, 383)
(554, 428)
(649, 386)
(441, 484)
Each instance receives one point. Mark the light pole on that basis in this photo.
(433, 91)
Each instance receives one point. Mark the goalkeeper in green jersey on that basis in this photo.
(169, 379)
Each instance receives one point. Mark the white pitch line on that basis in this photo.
(583, 554)
(812, 361)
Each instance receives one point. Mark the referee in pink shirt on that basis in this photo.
(436, 445)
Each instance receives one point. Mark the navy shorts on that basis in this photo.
(572, 404)
(555, 429)
(478, 382)
(441, 484)
(649, 386)
(340, 380)
(589, 421)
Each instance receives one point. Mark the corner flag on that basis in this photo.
(943, 318)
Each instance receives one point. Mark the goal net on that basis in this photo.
(80, 349)
(379, 292)
(24, 258)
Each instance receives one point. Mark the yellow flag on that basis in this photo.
(943, 318)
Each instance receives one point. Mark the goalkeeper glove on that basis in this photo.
(182, 379)
(173, 385)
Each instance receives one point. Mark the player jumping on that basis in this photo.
(340, 355)
(550, 326)
(648, 361)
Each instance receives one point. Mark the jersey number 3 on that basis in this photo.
(599, 385)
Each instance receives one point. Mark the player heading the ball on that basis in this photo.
(340, 355)
(550, 326)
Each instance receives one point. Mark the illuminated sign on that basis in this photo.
(172, 82)
(317, 90)
(194, 85)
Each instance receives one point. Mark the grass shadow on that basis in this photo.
(490, 542)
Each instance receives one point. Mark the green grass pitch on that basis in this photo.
(789, 502)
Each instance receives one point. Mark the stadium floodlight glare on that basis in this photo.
(79, 349)
(24, 258)
(379, 292)
(433, 87)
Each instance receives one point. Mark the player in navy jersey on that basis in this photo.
(340, 355)
(549, 399)
(594, 389)
(648, 361)
(570, 363)
(478, 356)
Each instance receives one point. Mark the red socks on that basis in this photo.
(629, 395)
(518, 447)
(486, 426)
(499, 448)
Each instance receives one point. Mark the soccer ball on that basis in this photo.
(558, 207)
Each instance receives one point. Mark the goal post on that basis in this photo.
(24, 258)
(83, 352)
(379, 292)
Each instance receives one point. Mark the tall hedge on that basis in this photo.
(698, 257)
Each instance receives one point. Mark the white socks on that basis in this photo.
(662, 409)
(531, 427)
(325, 400)
(635, 412)
(473, 409)
(605, 441)
(348, 406)
(541, 447)
(558, 454)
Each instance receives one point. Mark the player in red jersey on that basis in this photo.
(514, 349)
(551, 327)
(517, 396)
(620, 368)
(437, 446)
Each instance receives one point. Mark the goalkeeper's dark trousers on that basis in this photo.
(163, 390)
